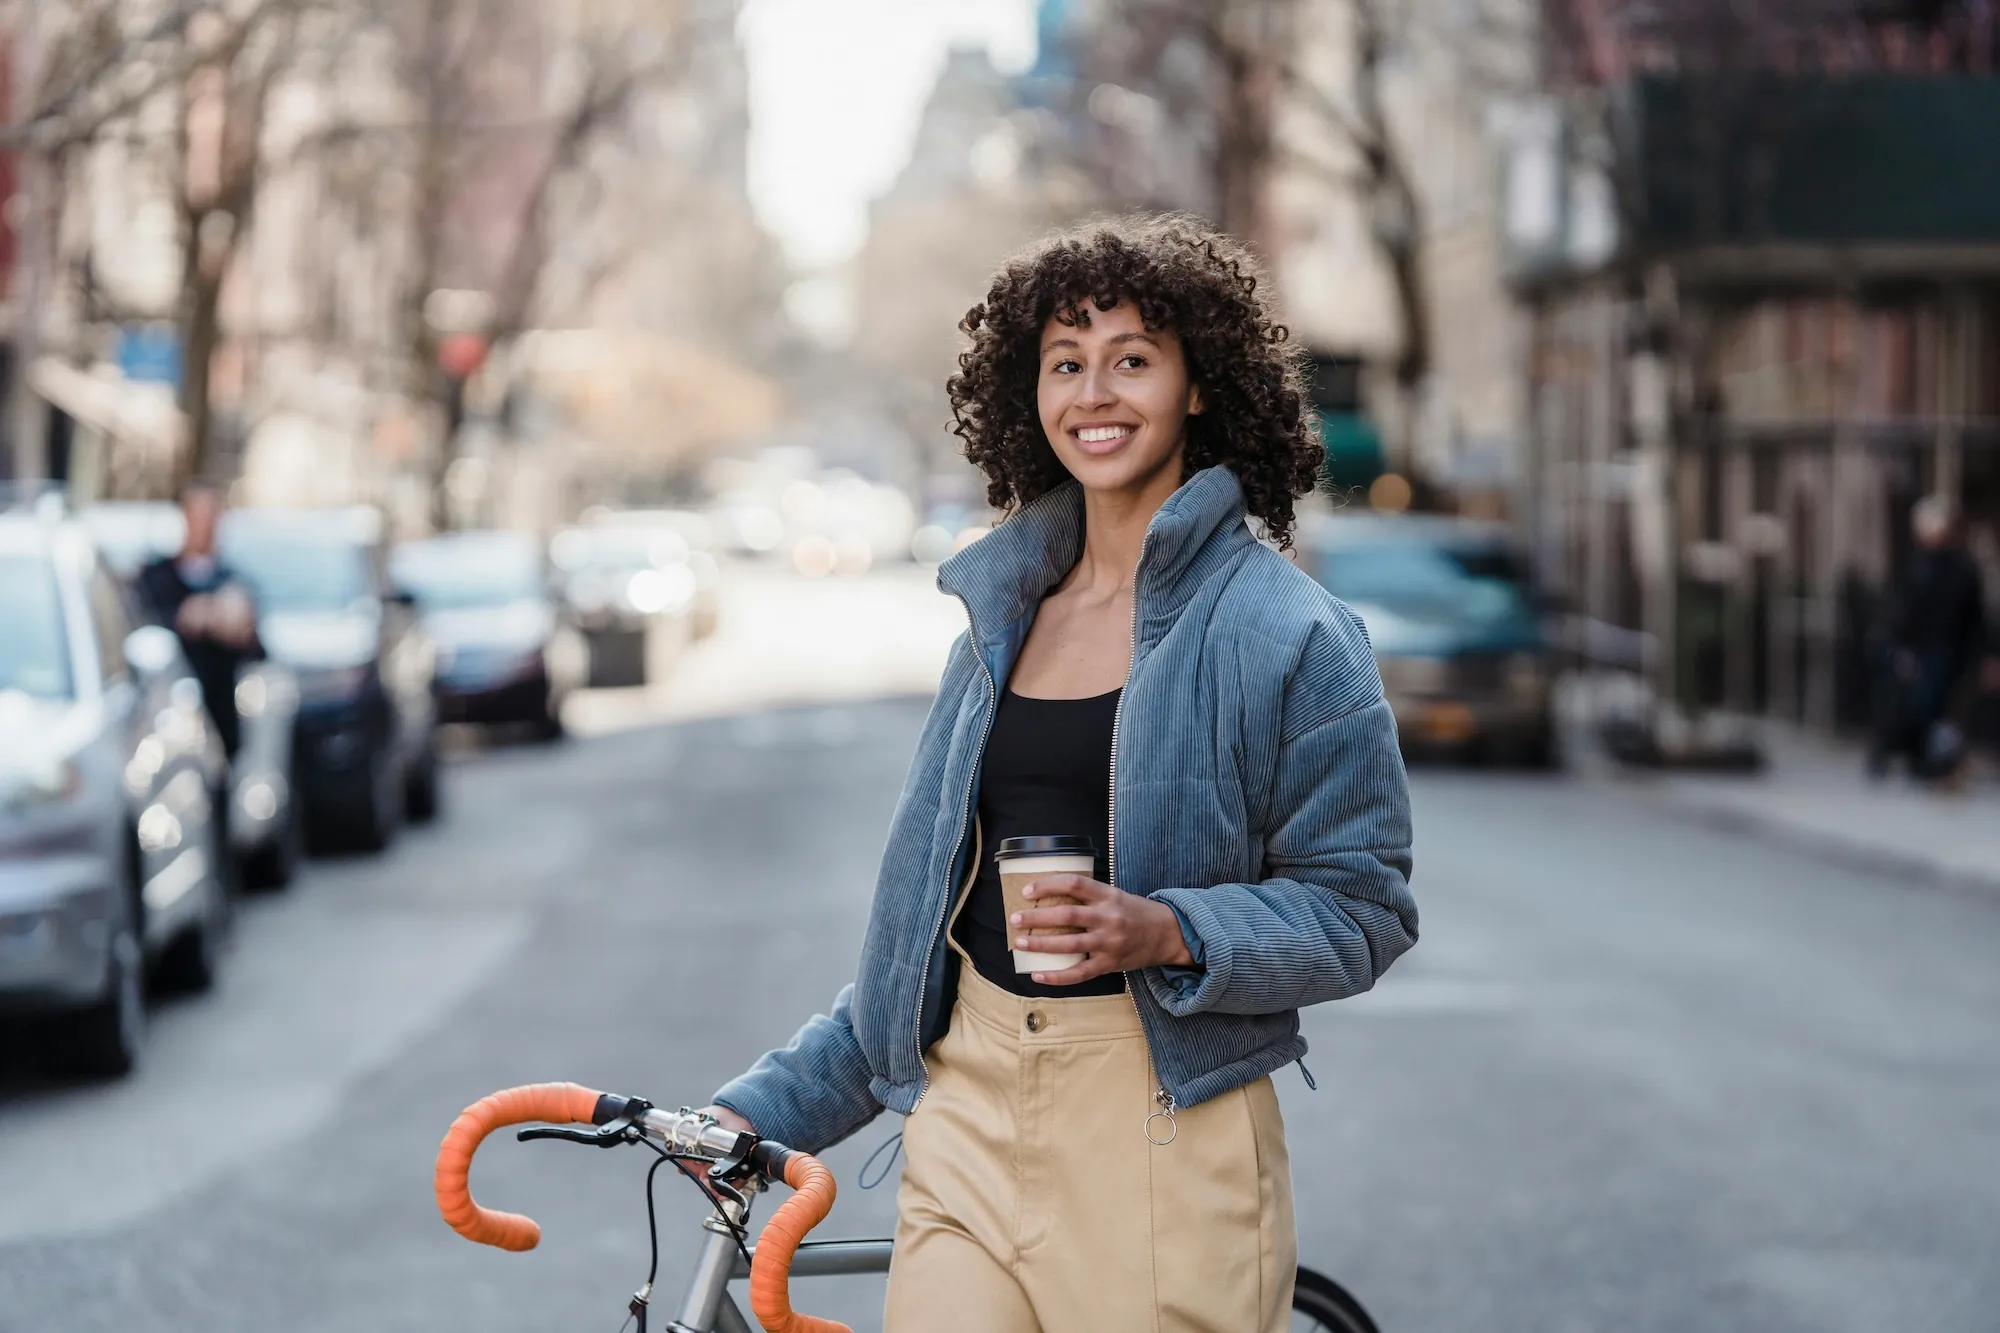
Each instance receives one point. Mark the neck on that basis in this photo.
(1114, 529)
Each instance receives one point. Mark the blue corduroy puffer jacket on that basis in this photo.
(1257, 790)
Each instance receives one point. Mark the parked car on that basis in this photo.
(266, 829)
(110, 852)
(696, 546)
(1455, 626)
(619, 585)
(366, 736)
(129, 533)
(504, 651)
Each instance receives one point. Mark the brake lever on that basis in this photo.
(609, 1135)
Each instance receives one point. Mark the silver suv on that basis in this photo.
(109, 772)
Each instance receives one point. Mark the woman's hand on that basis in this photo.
(728, 1119)
(1121, 931)
(197, 616)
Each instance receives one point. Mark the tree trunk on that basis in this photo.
(441, 96)
(201, 333)
(1243, 147)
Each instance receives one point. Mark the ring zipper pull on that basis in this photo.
(1166, 1113)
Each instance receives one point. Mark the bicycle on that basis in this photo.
(739, 1166)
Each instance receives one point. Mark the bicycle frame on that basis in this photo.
(708, 1306)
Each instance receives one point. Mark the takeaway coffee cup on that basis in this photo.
(1021, 862)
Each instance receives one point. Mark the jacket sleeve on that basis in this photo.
(1336, 909)
(814, 1091)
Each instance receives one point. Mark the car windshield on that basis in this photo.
(299, 571)
(1419, 579)
(450, 576)
(34, 657)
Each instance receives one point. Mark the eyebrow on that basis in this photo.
(1137, 335)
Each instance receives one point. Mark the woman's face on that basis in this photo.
(1114, 399)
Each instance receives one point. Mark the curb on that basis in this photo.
(1925, 871)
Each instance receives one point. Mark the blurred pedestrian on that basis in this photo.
(1095, 1143)
(1933, 637)
(198, 597)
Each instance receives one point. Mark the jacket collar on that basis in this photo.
(1005, 574)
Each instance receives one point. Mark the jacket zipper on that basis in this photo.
(1163, 1099)
(964, 818)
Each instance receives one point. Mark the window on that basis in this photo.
(110, 623)
(34, 652)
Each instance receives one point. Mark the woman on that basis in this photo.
(1099, 1147)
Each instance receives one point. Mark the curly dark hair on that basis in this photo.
(1183, 277)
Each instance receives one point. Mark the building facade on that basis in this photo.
(1766, 318)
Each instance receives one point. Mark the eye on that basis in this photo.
(1064, 367)
(1131, 361)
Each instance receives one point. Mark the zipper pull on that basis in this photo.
(1166, 1113)
(1312, 1084)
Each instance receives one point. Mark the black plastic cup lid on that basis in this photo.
(1059, 844)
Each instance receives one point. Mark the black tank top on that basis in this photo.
(1047, 770)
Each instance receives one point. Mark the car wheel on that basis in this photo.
(194, 960)
(548, 726)
(104, 1040)
(372, 826)
(618, 658)
(422, 798)
(273, 865)
(1536, 749)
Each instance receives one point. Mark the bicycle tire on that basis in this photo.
(1328, 1305)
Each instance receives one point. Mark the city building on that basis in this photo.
(1764, 286)
(367, 205)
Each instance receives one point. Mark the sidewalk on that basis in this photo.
(1814, 795)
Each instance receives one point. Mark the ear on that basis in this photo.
(1194, 400)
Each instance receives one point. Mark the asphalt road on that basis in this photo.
(1637, 1075)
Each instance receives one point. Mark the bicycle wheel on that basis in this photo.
(1318, 1302)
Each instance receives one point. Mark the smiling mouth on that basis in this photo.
(1102, 434)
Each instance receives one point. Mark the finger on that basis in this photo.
(1080, 887)
(1093, 966)
(1089, 942)
(1042, 918)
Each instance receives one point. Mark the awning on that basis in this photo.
(144, 415)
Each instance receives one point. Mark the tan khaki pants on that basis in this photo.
(1032, 1201)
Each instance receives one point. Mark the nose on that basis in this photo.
(1096, 390)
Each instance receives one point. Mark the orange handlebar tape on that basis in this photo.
(771, 1270)
(549, 1103)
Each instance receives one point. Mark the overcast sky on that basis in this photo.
(836, 87)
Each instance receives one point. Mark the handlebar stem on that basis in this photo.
(688, 1134)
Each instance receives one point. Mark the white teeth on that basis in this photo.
(1099, 434)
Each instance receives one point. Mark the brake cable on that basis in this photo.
(642, 1298)
(714, 1185)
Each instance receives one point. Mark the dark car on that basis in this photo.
(111, 854)
(504, 653)
(366, 739)
(1455, 626)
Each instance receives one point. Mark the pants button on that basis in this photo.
(1034, 1021)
